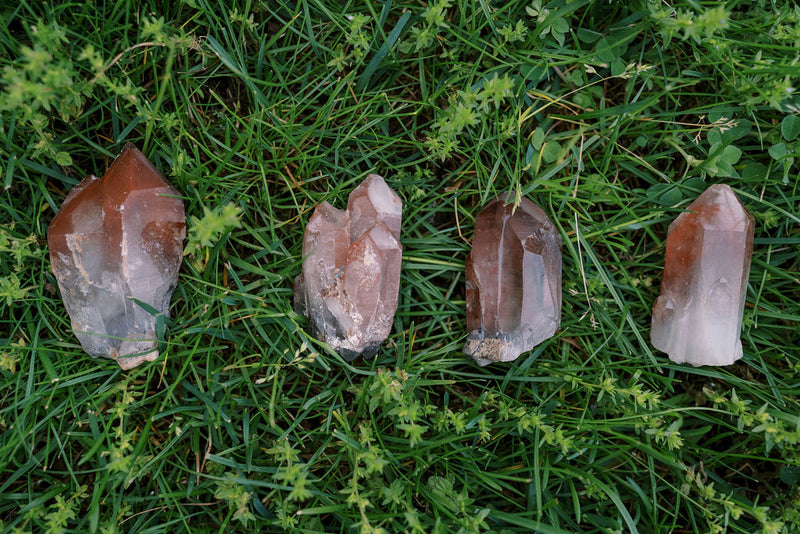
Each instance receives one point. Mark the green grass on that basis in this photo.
(610, 115)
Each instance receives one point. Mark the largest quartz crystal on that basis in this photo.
(697, 318)
(351, 269)
(513, 288)
(115, 240)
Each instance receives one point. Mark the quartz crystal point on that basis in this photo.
(697, 318)
(513, 282)
(351, 269)
(116, 239)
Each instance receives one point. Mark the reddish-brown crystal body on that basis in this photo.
(697, 318)
(115, 239)
(351, 269)
(513, 282)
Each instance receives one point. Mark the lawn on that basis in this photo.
(612, 116)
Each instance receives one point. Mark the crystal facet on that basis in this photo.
(351, 269)
(697, 319)
(513, 289)
(118, 239)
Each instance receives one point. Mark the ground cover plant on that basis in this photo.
(610, 115)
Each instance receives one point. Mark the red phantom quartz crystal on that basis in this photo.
(116, 239)
(513, 275)
(697, 319)
(351, 269)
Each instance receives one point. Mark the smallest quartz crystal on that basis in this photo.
(351, 269)
(513, 282)
(697, 319)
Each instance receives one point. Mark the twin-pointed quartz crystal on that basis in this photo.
(513, 282)
(697, 319)
(117, 240)
(351, 269)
